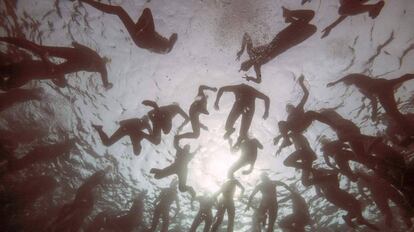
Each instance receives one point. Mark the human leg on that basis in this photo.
(234, 114)
(161, 173)
(108, 141)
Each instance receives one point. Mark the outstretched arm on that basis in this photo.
(220, 92)
(177, 144)
(258, 144)
(305, 93)
(246, 37)
(328, 29)
(25, 44)
(345, 78)
(266, 103)
(150, 103)
(298, 15)
(205, 87)
(240, 186)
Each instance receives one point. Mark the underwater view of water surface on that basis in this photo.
(212, 115)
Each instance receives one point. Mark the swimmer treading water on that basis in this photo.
(376, 163)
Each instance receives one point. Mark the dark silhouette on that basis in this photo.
(298, 120)
(133, 128)
(300, 215)
(244, 105)
(352, 8)
(227, 204)
(381, 192)
(248, 147)
(204, 213)
(199, 106)
(183, 156)
(120, 222)
(346, 131)
(161, 118)
(327, 183)
(15, 198)
(143, 31)
(71, 216)
(298, 31)
(37, 155)
(383, 90)
(15, 96)
(162, 207)
(303, 153)
(77, 58)
(340, 153)
(268, 205)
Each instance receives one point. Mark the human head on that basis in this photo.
(289, 108)
(264, 177)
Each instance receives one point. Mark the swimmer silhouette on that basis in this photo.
(120, 222)
(162, 207)
(327, 183)
(303, 153)
(39, 154)
(248, 147)
(71, 216)
(227, 204)
(340, 153)
(352, 8)
(161, 118)
(383, 90)
(204, 213)
(346, 130)
(298, 31)
(77, 58)
(381, 193)
(298, 120)
(130, 127)
(268, 205)
(244, 105)
(15, 96)
(143, 31)
(183, 156)
(199, 106)
(300, 212)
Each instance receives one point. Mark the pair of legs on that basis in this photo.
(180, 171)
(196, 125)
(143, 31)
(294, 222)
(202, 216)
(124, 130)
(246, 112)
(269, 208)
(160, 213)
(347, 202)
(381, 200)
(306, 157)
(351, 8)
(243, 161)
(228, 205)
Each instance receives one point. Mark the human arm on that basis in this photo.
(257, 70)
(150, 103)
(201, 89)
(220, 92)
(305, 93)
(246, 37)
(266, 103)
(345, 78)
(258, 144)
(176, 143)
(240, 186)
